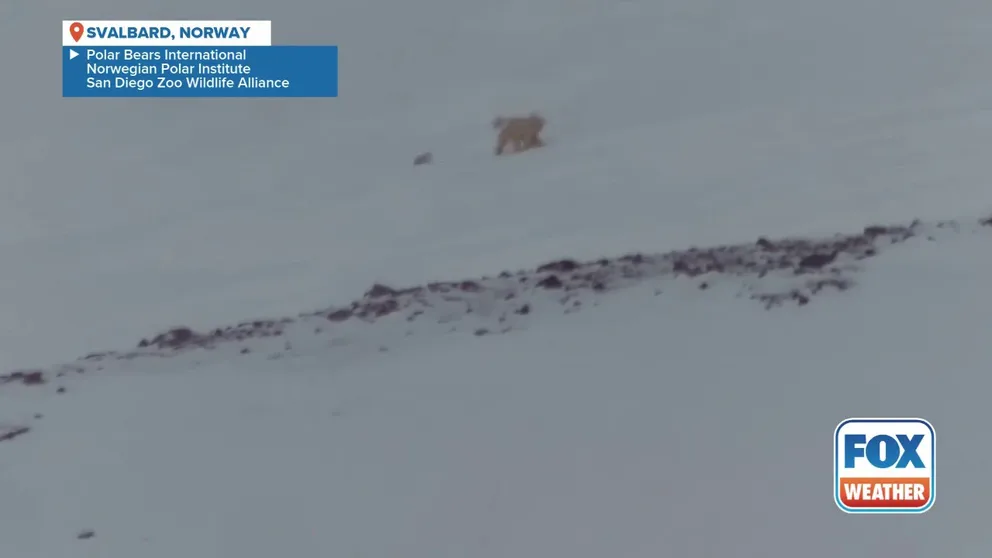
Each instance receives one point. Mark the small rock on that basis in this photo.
(680, 266)
(175, 338)
(28, 378)
(88, 534)
(818, 260)
(379, 290)
(550, 282)
(424, 158)
(469, 286)
(339, 315)
(9, 433)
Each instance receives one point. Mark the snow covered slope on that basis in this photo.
(673, 402)
(660, 420)
(671, 123)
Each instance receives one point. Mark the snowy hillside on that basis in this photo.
(658, 419)
(671, 123)
(635, 341)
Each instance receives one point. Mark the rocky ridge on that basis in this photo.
(772, 273)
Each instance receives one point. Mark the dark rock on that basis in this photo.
(377, 309)
(9, 433)
(174, 338)
(470, 286)
(379, 291)
(816, 261)
(339, 315)
(26, 377)
(424, 158)
(550, 282)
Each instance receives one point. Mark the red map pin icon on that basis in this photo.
(76, 30)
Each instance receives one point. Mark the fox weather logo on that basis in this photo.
(884, 465)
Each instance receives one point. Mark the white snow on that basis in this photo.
(685, 424)
(655, 419)
(671, 123)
